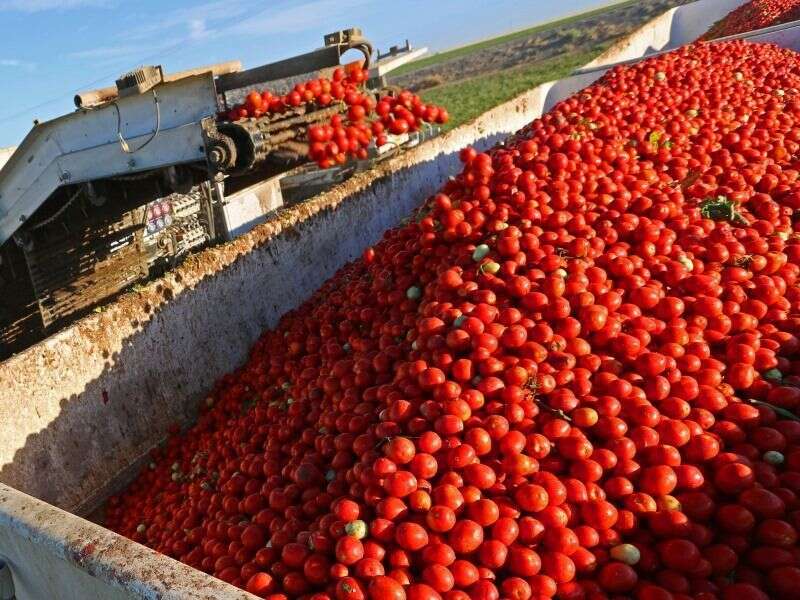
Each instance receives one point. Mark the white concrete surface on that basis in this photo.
(57, 556)
(78, 410)
(676, 27)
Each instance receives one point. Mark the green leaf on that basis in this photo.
(721, 209)
(781, 412)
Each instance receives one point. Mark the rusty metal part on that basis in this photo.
(221, 150)
(295, 150)
(236, 147)
(74, 271)
(305, 118)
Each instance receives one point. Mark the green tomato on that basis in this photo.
(773, 457)
(480, 252)
(413, 293)
(490, 267)
(626, 553)
(358, 529)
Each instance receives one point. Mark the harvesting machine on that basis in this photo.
(144, 172)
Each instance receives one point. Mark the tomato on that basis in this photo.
(783, 581)
(561, 539)
(399, 126)
(506, 530)
(253, 537)
(385, 588)
(438, 577)
(466, 536)
(617, 577)
(349, 550)
(681, 555)
(775, 532)
(493, 554)
(440, 518)
(558, 566)
(440, 554)
(733, 477)
(763, 503)
(531, 497)
(400, 483)
(516, 588)
(599, 514)
(421, 591)
(484, 590)
(411, 536)
(349, 588)
(523, 561)
(260, 584)
(253, 102)
(294, 555)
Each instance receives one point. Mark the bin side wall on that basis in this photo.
(55, 555)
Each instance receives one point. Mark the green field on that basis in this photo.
(467, 99)
(469, 49)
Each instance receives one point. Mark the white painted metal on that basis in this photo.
(676, 27)
(84, 145)
(154, 359)
(247, 208)
(5, 154)
(391, 63)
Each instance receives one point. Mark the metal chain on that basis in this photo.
(59, 212)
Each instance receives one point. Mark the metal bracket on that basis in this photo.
(394, 51)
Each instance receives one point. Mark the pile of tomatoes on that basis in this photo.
(346, 135)
(574, 374)
(753, 15)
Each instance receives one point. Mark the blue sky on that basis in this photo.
(49, 49)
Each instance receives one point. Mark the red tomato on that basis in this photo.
(385, 588)
(466, 536)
